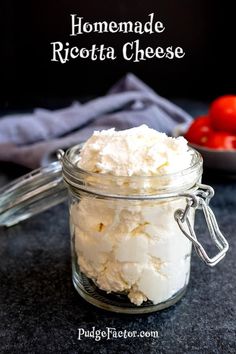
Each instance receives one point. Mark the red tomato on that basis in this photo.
(223, 114)
(199, 130)
(221, 140)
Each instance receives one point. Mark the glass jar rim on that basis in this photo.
(76, 176)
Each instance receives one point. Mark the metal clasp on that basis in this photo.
(200, 200)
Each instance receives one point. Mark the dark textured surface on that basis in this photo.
(40, 312)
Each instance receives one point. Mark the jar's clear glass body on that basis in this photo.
(131, 237)
(128, 256)
(128, 253)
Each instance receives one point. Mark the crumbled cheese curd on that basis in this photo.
(125, 246)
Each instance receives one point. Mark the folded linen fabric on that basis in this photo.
(31, 139)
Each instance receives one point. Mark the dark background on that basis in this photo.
(204, 28)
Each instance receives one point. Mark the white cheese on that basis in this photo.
(129, 246)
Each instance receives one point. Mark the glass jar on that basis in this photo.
(129, 251)
(131, 237)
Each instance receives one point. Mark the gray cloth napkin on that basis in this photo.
(31, 139)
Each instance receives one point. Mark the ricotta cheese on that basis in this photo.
(130, 246)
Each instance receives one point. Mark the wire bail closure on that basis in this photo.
(200, 200)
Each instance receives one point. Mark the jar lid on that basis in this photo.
(31, 194)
